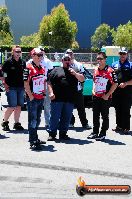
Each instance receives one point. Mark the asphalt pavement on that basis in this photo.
(53, 172)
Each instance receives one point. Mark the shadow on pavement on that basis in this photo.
(25, 131)
(122, 133)
(74, 141)
(113, 142)
(3, 137)
(78, 129)
(49, 148)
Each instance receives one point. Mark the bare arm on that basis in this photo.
(50, 90)
(112, 89)
(79, 76)
(124, 84)
(28, 90)
(4, 84)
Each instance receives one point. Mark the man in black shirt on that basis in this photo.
(14, 86)
(62, 86)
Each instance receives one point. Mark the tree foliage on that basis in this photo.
(31, 40)
(102, 36)
(123, 35)
(57, 30)
(6, 36)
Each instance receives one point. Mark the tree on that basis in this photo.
(6, 36)
(31, 40)
(123, 35)
(102, 36)
(57, 30)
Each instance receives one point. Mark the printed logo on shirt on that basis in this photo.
(38, 84)
(100, 84)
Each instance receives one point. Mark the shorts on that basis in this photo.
(15, 97)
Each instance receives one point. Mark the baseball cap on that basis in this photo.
(41, 48)
(66, 56)
(36, 51)
(69, 51)
(123, 50)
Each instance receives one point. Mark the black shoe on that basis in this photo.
(87, 126)
(117, 129)
(5, 126)
(17, 126)
(64, 137)
(40, 142)
(93, 136)
(35, 145)
(100, 137)
(51, 138)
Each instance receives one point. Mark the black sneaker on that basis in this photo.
(51, 138)
(35, 146)
(5, 126)
(41, 142)
(117, 129)
(100, 137)
(64, 137)
(92, 136)
(17, 126)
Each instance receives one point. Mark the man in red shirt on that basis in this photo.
(105, 82)
(34, 83)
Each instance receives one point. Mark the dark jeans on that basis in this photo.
(100, 106)
(34, 117)
(79, 104)
(122, 103)
(61, 113)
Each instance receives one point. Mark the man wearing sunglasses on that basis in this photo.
(34, 83)
(79, 103)
(62, 86)
(13, 82)
(48, 66)
(122, 97)
(104, 84)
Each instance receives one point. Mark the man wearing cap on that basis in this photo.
(122, 97)
(34, 83)
(62, 86)
(48, 66)
(79, 103)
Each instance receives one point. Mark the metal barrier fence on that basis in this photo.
(87, 58)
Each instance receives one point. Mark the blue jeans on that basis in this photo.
(34, 117)
(15, 96)
(61, 113)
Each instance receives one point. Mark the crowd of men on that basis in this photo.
(60, 88)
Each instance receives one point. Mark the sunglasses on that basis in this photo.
(100, 58)
(18, 51)
(122, 53)
(67, 60)
(70, 53)
(40, 55)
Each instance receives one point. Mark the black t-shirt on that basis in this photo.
(64, 84)
(13, 72)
